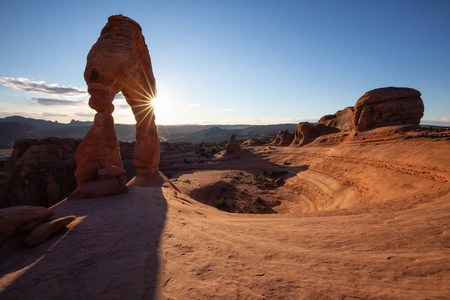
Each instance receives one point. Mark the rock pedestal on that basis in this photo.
(118, 62)
(232, 145)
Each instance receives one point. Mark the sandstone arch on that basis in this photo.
(118, 62)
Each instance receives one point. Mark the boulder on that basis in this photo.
(342, 119)
(233, 145)
(307, 132)
(283, 138)
(44, 231)
(388, 106)
(17, 221)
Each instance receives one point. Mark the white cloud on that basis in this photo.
(29, 85)
(53, 102)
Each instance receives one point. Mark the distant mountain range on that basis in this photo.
(16, 127)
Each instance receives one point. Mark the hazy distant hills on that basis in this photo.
(12, 131)
(16, 127)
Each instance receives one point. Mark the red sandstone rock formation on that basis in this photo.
(388, 106)
(16, 222)
(44, 231)
(342, 119)
(283, 138)
(307, 132)
(118, 61)
(38, 172)
(233, 145)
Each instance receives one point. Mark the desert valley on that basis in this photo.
(353, 206)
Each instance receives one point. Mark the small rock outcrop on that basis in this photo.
(16, 222)
(118, 62)
(283, 138)
(38, 172)
(44, 231)
(388, 106)
(307, 132)
(233, 145)
(342, 119)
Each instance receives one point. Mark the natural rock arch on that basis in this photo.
(118, 62)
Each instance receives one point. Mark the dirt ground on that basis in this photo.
(345, 217)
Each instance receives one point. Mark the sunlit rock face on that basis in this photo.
(388, 106)
(342, 119)
(118, 62)
(307, 132)
(283, 138)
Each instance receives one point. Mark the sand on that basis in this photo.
(367, 219)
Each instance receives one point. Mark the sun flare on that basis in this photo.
(163, 109)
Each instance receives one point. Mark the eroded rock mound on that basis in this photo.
(283, 138)
(388, 106)
(307, 132)
(38, 172)
(233, 145)
(342, 119)
(118, 62)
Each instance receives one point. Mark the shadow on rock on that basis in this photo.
(110, 251)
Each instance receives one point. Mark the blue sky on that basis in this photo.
(257, 62)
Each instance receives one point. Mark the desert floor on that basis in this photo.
(358, 217)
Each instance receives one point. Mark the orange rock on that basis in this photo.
(44, 231)
(342, 119)
(307, 132)
(110, 172)
(283, 138)
(388, 106)
(18, 220)
(118, 61)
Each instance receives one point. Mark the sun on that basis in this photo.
(163, 108)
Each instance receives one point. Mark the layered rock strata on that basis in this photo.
(388, 106)
(38, 172)
(118, 62)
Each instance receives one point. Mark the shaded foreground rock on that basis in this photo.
(118, 62)
(44, 231)
(38, 172)
(16, 222)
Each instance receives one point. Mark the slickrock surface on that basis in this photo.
(390, 239)
(388, 106)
